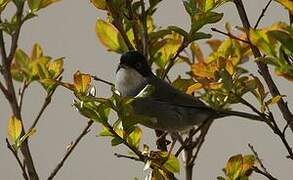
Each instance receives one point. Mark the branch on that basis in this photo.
(21, 94)
(283, 106)
(102, 80)
(6, 62)
(256, 169)
(70, 150)
(135, 29)
(230, 35)
(270, 121)
(262, 13)
(127, 157)
(4, 90)
(145, 36)
(24, 174)
(136, 151)
(44, 106)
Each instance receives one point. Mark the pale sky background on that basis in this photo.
(67, 29)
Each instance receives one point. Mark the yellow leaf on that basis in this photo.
(274, 100)
(14, 129)
(214, 44)
(82, 82)
(110, 36)
(196, 51)
(56, 67)
(37, 52)
(248, 163)
(45, 3)
(99, 4)
(3, 4)
(229, 67)
(191, 89)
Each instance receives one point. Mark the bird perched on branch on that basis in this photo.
(166, 108)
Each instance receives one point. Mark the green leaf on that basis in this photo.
(116, 141)
(220, 178)
(34, 5)
(56, 67)
(14, 129)
(172, 164)
(37, 52)
(283, 37)
(179, 30)
(234, 167)
(201, 19)
(134, 138)
(99, 4)
(45, 3)
(182, 84)
(105, 132)
(110, 37)
(260, 39)
(248, 163)
(3, 4)
(199, 35)
(274, 100)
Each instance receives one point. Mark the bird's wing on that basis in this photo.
(167, 93)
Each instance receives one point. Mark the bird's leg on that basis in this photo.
(174, 136)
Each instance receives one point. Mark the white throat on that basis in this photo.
(129, 82)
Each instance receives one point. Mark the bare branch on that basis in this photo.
(262, 13)
(102, 80)
(4, 90)
(24, 174)
(21, 94)
(127, 157)
(145, 36)
(230, 35)
(70, 150)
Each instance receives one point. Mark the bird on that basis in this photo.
(166, 108)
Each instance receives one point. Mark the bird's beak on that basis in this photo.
(120, 66)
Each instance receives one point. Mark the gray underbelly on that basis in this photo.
(167, 117)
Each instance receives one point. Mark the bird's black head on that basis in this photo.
(137, 61)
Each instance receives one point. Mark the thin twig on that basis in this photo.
(135, 150)
(70, 150)
(262, 13)
(102, 80)
(189, 139)
(145, 29)
(21, 94)
(135, 28)
(127, 157)
(24, 174)
(257, 170)
(4, 90)
(264, 171)
(230, 35)
(257, 158)
(6, 62)
(270, 121)
(202, 138)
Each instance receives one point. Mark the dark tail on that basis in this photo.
(224, 113)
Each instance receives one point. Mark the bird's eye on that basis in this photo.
(138, 65)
